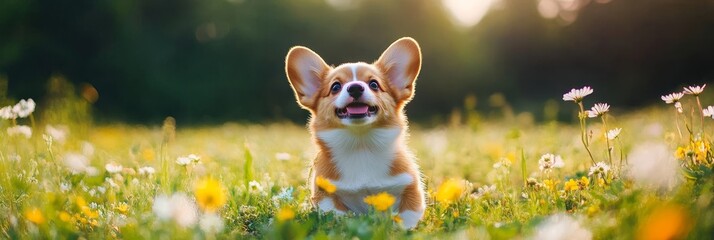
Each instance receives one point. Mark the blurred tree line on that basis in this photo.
(219, 60)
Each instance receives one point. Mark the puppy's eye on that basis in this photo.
(336, 87)
(374, 85)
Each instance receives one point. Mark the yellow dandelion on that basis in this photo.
(148, 154)
(122, 207)
(667, 222)
(35, 216)
(397, 219)
(210, 194)
(449, 191)
(381, 201)
(584, 183)
(550, 184)
(325, 185)
(285, 214)
(571, 185)
(681, 153)
(65, 217)
(600, 182)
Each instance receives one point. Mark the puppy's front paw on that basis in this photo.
(327, 204)
(410, 219)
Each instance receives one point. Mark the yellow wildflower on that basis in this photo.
(325, 185)
(600, 182)
(449, 191)
(381, 201)
(397, 219)
(550, 184)
(64, 216)
(285, 214)
(571, 185)
(35, 216)
(583, 183)
(148, 154)
(122, 207)
(667, 222)
(681, 153)
(210, 194)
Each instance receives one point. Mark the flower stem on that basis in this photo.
(607, 139)
(701, 115)
(583, 131)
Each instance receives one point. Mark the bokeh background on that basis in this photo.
(210, 61)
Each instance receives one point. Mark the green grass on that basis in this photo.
(41, 198)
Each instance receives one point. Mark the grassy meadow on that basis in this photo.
(488, 177)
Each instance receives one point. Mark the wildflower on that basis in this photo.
(613, 133)
(7, 113)
(672, 97)
(397, 219)
(20, 130)
(113, 168)
(678, 106)
(708, 112)
(285, 214)
(255, 186)
(449, 191)
(381, 201)
(35, 216)
(549, 161)
(178, 207)
(550, 184)
(694, 90)
(211, 223)
(667, 222)
(210, 194)
(183, 161)
(24, 108)
(577, 95)
(148, 154)
(77, 163)
(681, 153)
(571, 185)
(58, 133)
(484, 191)
(583, 183)
(122, 207)
(598, 110)
(599, 169)
(325, 185)
(561, 227)
(283, 156)
(64, 216)
(146, 170)
(652, 165)
(285, 194)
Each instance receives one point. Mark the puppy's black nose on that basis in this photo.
(355, 90)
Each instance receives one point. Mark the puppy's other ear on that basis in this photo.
(305, 70)
(401, 63)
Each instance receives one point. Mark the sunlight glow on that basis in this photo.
(468, 13)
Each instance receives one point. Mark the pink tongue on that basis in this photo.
(361, 109)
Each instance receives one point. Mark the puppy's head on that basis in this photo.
(355, 94)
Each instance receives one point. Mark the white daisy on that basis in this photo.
(24, 108)
(709, 112)
(113, 168)
(178, 207)
(58, 133)
(211, 223)
(283, 156)
(77, 163)
(577, 95)
(694, 90)
(255, 186)
(613, 133)
(7, 113)
(190, 159)
(561, 227)
(484, 191)
(549, 161)
(599, 169)
(672, 97)
(20, 130)
(146, 170)
(598, 110)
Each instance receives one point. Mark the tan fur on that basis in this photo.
(306, 69)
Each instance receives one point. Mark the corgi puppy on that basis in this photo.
(358, 123)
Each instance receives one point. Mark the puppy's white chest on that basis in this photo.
(364, 162)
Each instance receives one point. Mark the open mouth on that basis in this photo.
(356, 110)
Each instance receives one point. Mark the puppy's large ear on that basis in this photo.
(401, 63)
(305, 70)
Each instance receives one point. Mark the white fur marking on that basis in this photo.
(364, 160)
(328, 205)
(410, 219)
(354, 72)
